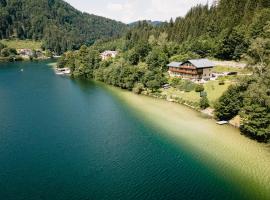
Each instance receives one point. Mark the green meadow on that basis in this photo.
(22, 44)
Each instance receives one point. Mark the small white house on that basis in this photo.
(108, 54)
(25, 52)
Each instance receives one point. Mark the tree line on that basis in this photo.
(250, 97)
(224, 32)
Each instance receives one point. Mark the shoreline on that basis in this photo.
(22, 59)
(208, 112)
(234, 157)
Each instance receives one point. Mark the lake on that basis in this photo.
(73, 139)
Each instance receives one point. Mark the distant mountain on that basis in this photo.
(60, 26)
(154, 23)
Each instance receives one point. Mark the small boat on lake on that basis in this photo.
(222, 122)
(59, 73)
(62, 71)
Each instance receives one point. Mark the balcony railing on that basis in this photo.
(183, 71)
(187, 67)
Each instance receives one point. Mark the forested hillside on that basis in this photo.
(58, 24)
(235, 29)
(224, 31)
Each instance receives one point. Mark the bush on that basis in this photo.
(199, 88)
(153, 85)
(174, 82)
(138, 88)
(204, 102)
(6, 52)
(229, 104)
(48, 54)
(18, 58)
(2, 46)
(10, 58)
(187, 86)
(221, 82)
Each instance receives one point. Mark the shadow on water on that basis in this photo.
(64, 138)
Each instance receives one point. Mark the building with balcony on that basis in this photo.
(198, 69)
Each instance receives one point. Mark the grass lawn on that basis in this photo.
(213, 89)
(22, 44)
(220, 69)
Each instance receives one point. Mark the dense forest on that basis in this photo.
(224, 31)
(234, 29)
(55, 22)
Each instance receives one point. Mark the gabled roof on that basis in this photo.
(175, 64)
(202, 63)
(109, 52)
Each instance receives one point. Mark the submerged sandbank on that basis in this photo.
(53, 64)
(229, 154)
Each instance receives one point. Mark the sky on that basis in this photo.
(129, 11)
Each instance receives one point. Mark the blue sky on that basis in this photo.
(132, 10)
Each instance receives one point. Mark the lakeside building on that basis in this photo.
(198, 69)
(25, 52)
(108, 54)
(28, 53)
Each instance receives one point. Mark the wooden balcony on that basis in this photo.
(184, 71)
(188, 67)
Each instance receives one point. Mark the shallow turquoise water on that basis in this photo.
(67, 139)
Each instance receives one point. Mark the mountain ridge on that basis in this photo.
(59, 25)
(153, 23)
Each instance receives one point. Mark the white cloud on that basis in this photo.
(133, 10)
(115, 7)
(125, 11)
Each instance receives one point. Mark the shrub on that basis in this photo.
(199, 88)
(221, 82)
(5, 52)
(187, 86)
(2, 46)
(229, 103)
(204, 102)
(138, 88)
(18, 58)
(175, 82)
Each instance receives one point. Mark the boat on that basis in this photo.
(222, 122)
(67, 71)
(59, 73)
(21, 70)
(62, 71)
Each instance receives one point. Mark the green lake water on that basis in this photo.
(62, 139)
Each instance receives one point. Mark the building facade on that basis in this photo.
(108, 54)
(199, 69)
